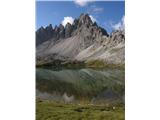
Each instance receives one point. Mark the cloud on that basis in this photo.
(120, 25)
(67, 20)
(82, 3)
(92, 18)
(94, 9)
(97, 9)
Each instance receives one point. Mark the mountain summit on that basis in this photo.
(81, 41)
(59, 32)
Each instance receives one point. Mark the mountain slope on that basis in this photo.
(81, 41)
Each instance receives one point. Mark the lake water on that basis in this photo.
(80, 83)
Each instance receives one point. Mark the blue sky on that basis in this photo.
(108, 14)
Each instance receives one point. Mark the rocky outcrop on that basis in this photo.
(44, 34)
(68, 30)
(81, 41)
(61, 31)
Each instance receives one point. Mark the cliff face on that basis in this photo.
(81, 41)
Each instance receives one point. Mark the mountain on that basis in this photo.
(82, 41)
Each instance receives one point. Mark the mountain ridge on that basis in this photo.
(81, 41)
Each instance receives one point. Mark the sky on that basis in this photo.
(108, 14)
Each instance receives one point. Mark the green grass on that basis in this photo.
(49, 110)
(103, 64)
(96, 64)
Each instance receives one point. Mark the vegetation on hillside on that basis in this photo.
(103, 64)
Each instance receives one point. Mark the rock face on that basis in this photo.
(68, 30)
(44, 34)
(81, 41)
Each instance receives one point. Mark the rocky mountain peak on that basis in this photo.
(85, 19)
(40, 29)
(82, 26)
(43, 34)
(82, 41)
(61, 27)
(49, 27)
(117, 37)
(61, 31)
(68, 25)
(68, 30)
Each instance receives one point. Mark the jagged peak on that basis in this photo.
(68, 25)
(83, 15)
(40, 29)
(61, 27)
(84, 22)
(49, 27)
(75, 21)
(85, 19)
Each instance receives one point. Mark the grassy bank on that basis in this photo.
(49, 110)
(103, 64)
(94, 64)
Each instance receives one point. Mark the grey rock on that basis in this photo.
(61, 31)
(81, 41)
(44, 34)
(68, 30)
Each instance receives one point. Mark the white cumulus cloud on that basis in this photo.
(120, 25)
(67, 20)
(92, 18)
(82, 3)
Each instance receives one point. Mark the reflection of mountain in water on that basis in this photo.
(80, 83)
